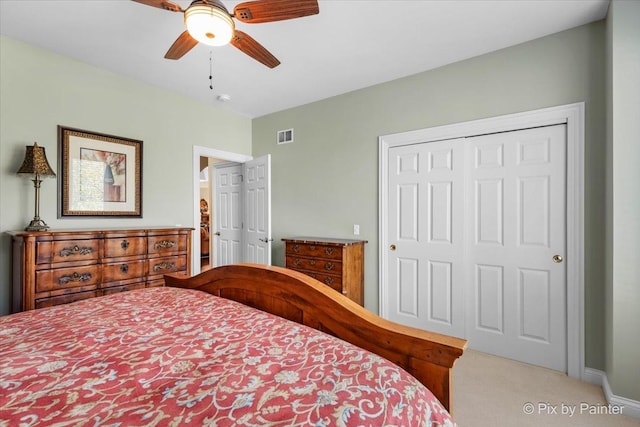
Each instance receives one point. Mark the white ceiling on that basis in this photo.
(347, 46)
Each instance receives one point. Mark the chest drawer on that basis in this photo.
(313, 250)
(124, 246)
(65, 299)
(155, 282)
(159, 266)
(67, 251)
(123, 288)
(67, 278)
(123, 270)
(332, 281)
(326, 266)
(166, 244)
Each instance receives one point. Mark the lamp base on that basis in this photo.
(37, 225)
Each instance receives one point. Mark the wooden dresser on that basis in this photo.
(338, 263)
(62, 266)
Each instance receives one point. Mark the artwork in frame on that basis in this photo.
(100, 175)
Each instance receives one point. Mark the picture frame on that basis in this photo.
(99, 175)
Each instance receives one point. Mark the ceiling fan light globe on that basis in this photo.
(209, 25)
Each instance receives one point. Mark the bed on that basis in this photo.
(197, 352)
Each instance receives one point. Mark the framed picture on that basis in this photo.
(99, 175)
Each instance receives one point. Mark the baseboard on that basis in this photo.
(593, 376)
(630, 408)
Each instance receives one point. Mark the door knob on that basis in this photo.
(392, 247)
(557, 259)
(217, 233)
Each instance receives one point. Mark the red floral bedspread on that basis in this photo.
(165, 356)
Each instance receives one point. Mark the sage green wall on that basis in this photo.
(41, 90)
(623, 199)
(327, 179)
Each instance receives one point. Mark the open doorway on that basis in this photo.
(207, 202)
(205, 155)
(205, 215)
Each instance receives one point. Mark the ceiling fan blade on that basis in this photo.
(248, 45)
(254, 12)
(162, 4)
(183, 44)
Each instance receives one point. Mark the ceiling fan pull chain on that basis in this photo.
(210, 70)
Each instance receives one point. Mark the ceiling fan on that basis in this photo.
(209, 22)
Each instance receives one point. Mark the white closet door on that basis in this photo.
(426, 239)
(476, 232)
(516, 216)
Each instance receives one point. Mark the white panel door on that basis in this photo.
(426, 248)
(516, 217)
(473, 227)
(227, 215)
(257, 208)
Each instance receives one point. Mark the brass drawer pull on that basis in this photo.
(165, 244)
(125, 244)
(328, 281)
(328, 251)
(296, 261)
(124, 268)
(164, 266)
(76, 250)
(296, 248)
(329, 266)
(75, 277)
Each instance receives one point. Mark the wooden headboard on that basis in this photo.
(428, 356)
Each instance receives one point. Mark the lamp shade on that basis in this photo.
(209, 25)
(35, 162)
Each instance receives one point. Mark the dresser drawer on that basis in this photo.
(123, 288)
(156, 282)
(65, 299)
(123, 270)
(66, 278)
(160, 266)
(125, 246)
(313, 250)
(166, 244)
(327, 266)
(67, 251)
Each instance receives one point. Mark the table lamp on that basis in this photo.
(36, 165)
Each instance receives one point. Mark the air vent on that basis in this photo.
(285, 136)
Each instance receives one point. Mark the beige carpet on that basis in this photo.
(493, 391)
